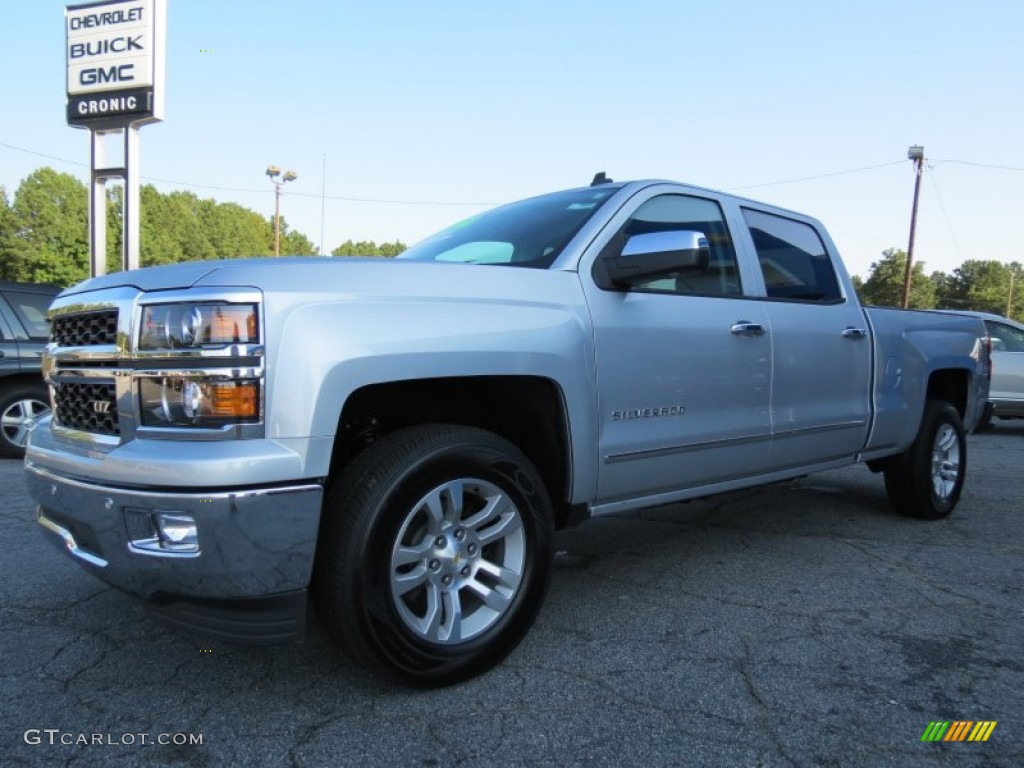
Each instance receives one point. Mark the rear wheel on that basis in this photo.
(19, 410)
(435, 553)
(927, 479)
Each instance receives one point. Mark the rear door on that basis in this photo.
(821, 347)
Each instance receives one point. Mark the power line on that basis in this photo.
(42, 154)
(390, 201)
(340, 198)
(982, 165)
(255, 190)
(945, 215)
(818, 176)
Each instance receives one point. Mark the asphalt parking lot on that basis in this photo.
(803, 624)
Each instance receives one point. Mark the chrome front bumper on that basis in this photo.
(246, 575)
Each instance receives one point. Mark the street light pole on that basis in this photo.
(915, 153)
(1009, 296)
(273, 172)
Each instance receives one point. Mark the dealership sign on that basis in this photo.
(115, 58)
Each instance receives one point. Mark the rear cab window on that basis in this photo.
(793, 259)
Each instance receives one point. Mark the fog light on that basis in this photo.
(177, 533)
(161, 534)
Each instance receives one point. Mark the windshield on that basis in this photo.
(530, 233)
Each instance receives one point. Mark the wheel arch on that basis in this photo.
(32, 380)
(951, 385)
(528, 411)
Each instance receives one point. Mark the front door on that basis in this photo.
(683, 363)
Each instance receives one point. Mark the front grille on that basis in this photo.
(89, 329)
(88, 407)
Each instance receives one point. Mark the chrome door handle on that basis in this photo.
(743, 328)
(854, 333)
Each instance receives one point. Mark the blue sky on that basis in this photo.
(452, 106)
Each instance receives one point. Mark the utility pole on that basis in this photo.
(1009, 296)
(273, 172)
(915, 153)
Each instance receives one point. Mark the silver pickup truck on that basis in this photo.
(399, 438)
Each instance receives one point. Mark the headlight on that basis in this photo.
(183, 326)
(179, 401)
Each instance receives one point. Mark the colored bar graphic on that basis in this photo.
(982, 730)
(959, 730)
(935, 730)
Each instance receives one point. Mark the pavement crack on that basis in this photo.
(764, 709)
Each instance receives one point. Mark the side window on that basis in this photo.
(30, 309)
(793, 259)
(675, 213)
(1005, 338)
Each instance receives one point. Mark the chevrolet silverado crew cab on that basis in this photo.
(399, 438)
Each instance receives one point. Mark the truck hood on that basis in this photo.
(345, 278)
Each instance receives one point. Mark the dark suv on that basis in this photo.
(23, 334)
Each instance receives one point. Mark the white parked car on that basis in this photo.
(1006, 395)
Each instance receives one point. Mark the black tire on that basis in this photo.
(985, 422)
(19, 407)
(927, 480)
(445, 508)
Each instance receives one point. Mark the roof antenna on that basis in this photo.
(600, 178)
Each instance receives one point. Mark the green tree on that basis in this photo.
(159, 240)
(8, 231)
(115, 231)
(981, 285)
(884, 286)
(235, 231)
(392, 249)
(943, 289)
(294, 243)
(172, 229)
(44, 229)
(1015, 295)
(369, 248)
(50, 241)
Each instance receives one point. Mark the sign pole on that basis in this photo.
(130, 215)
(97, 206)
(115, 85)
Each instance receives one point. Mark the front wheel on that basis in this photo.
(927, 479)
(434, 554)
